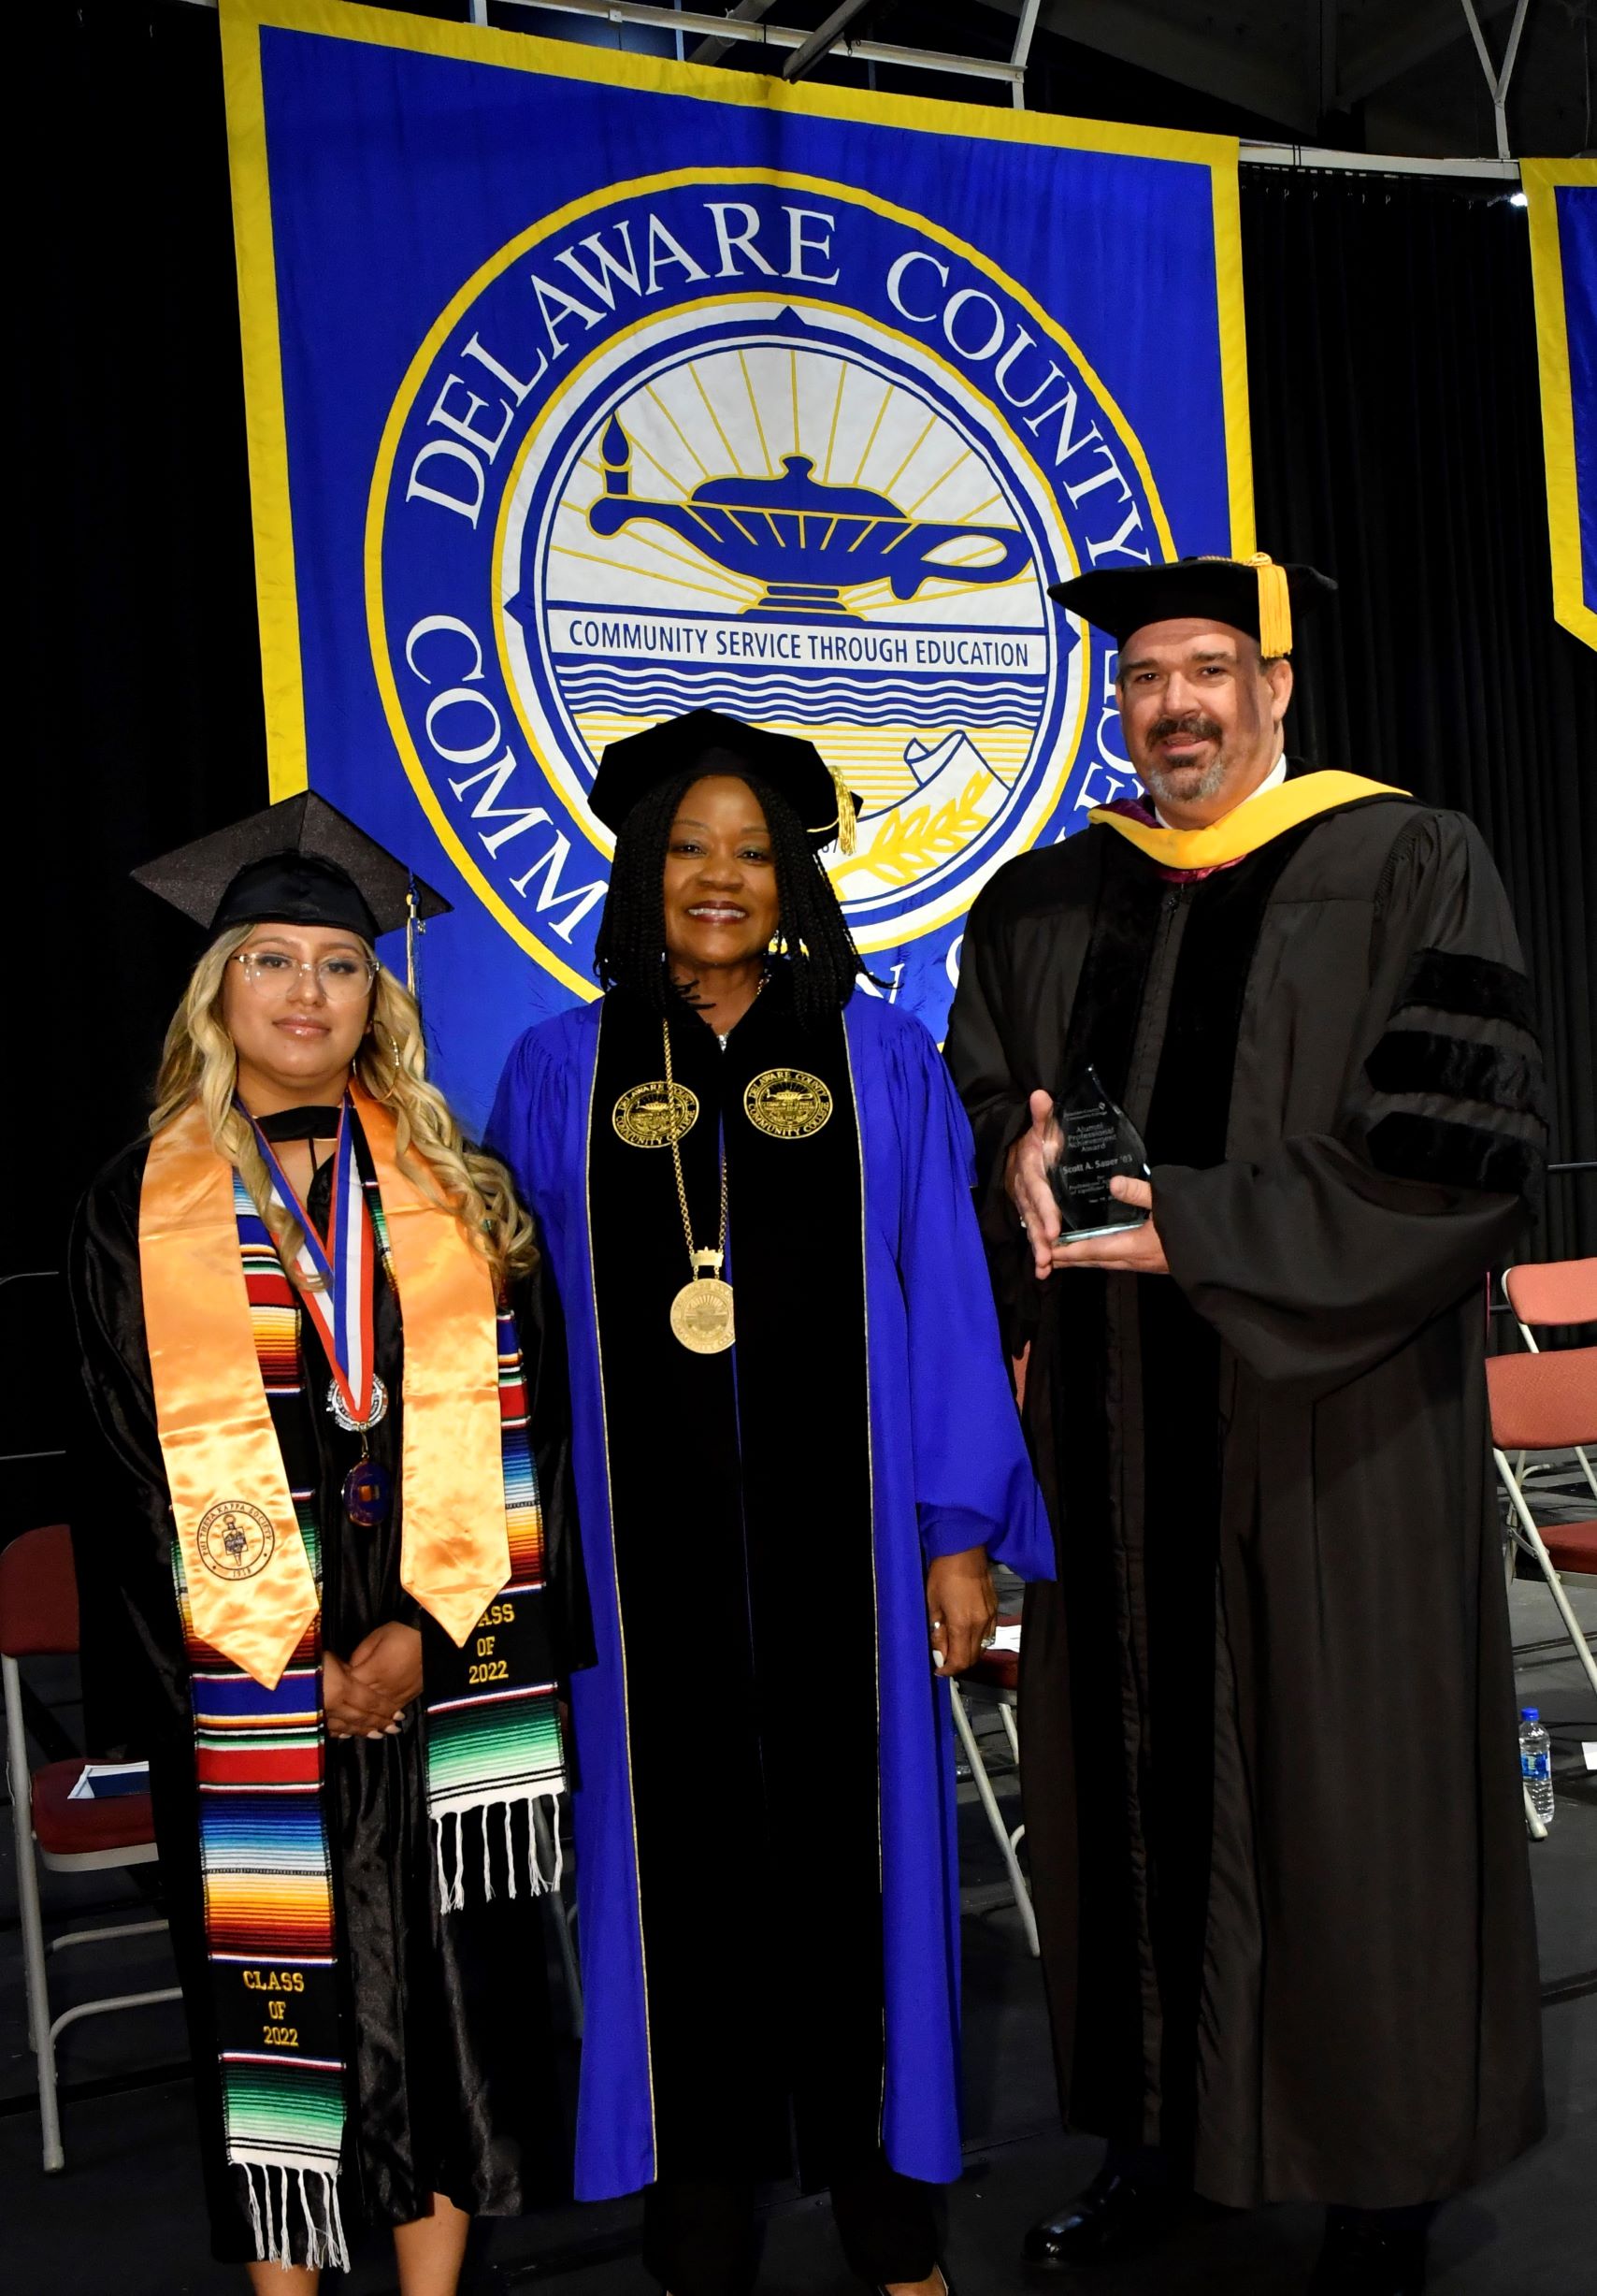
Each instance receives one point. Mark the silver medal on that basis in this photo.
(354, 1427)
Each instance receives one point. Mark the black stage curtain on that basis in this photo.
(1396, 439)
(145, 669)
(139, 671)
(1396, 443)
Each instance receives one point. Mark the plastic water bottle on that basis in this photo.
(1535, 1763)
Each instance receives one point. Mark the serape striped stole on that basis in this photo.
(492, 1710)
(493, 1739)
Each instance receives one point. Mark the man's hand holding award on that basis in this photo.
(1079, 1180)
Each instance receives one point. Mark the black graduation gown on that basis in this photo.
(1267, 1710)
(446, 2026)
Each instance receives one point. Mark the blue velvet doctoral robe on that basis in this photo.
(946, 1469)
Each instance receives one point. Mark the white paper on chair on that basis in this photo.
(1007, 1639)
(1588, 1749)
(101, 1781)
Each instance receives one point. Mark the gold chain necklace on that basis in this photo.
(701, 1312)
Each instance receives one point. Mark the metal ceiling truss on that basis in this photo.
(1498, 79)
(1406, 37)
(1331, 72)
(805, 50)
(1133, 31)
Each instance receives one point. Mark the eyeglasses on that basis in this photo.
(271, 972)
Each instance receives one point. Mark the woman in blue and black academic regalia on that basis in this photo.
(795, 1450)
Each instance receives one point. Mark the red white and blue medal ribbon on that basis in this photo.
(338, 1278)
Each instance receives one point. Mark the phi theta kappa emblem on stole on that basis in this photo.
(235, 1540)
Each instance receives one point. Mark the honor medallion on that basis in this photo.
(368, 1493)
(345, 1416)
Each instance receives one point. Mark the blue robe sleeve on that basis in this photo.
(518, 1117)
(520, 1133)
(974, 1484)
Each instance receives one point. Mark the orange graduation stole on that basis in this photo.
(249, 1581)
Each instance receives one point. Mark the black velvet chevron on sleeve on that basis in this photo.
(1413, 1060)
(1449, 1155)
(1479, 985)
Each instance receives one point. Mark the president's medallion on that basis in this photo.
(701, 1316)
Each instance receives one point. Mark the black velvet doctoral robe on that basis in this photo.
(1267, 1710)
(452, 2079)
(723, 2083)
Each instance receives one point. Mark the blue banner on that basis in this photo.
(585, 388)
(1562, 196)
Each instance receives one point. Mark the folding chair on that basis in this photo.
(994, 1680)
(38, 1617)
(1547, 1402)
(1552, 1292)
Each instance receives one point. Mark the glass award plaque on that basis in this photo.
(1098, 1140)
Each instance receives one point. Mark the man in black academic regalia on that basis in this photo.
(1271, 1792)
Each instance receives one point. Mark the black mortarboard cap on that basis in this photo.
(300, 862)
(710, 741)
(1255, 595)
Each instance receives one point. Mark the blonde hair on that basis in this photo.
(199, 1064)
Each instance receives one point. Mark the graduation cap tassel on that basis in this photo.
(1274, 607)
(848, 812)
(412, 927)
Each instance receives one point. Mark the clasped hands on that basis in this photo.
(1135, 1251)
(365, 1695)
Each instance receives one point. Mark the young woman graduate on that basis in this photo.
(323, 1537)
(795, 1440)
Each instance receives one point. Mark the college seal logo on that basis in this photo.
(771, 445)
(788, 1104)
(651, 1116)
(235, 1540)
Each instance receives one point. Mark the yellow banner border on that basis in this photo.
(1542, 181)
(242, 20)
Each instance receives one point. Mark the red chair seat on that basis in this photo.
(38, 1593)
(1572, 1545)
(995, 1669)
(1553, 1291)
(66, 1829)
(1543, 1402)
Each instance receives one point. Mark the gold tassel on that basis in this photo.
(848, 812)
(412, 926)
(1274, 607)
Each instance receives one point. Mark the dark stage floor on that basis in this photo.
(125, 2216)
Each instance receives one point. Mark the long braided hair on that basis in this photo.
(814, 941)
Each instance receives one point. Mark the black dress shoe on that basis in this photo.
(1365, 2258)
(1114, 2217)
